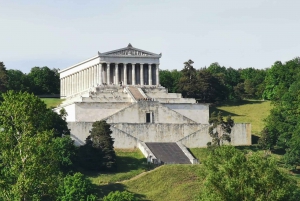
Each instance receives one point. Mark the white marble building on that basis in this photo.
(126, 66)
(122, 87)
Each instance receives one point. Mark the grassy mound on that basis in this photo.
(247, 111)
(168, 182)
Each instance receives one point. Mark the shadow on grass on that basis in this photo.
(104, 190)
(240, 102)
(224, 113)
(253, 148)
(126, 163)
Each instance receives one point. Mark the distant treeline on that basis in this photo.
(210, 84)
(217, 83)
(39, 81)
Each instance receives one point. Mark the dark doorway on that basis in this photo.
(148, 118)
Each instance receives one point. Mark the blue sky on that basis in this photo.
(236, 33)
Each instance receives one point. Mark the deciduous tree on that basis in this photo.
(232, 175)
(30, 154)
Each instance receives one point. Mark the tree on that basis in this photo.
(120, 196)
(188, 80)
(17, 81)
(233, 175)
(209, 89)
(44, 80)
(98, 152)
(3, 78)
(176, 75)
(75, 187)
(30, 155)
(166, 79)
(280, 77)
(254, 82)
(219, 130)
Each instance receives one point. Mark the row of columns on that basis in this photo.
(102, 73)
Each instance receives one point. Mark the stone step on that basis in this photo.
(168, 152)
(136, 93)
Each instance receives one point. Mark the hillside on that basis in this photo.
(168, 182)
(247, 111)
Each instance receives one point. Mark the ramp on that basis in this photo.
(168, 152)
(135, 93)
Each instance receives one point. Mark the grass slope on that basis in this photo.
(247, 111)
(129, 162)
(168, 182)
(52, 102)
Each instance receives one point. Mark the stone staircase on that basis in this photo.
(168, 152)
(135, 93)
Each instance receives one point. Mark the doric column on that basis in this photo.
(75, 83)
(100, 74)
(61, 87)
(142, 74)
(69, 85)
(150, 74)
(66, 86)
(117, 73)
(108, 73)
(157, 74)
(80, 81)
(89, 78)
(83, 79)
(125, 74)
(133, 74)
(72, 84)
(95, 75)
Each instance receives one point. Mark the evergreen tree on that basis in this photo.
(220, 130)
(188, 80)
(98, 152)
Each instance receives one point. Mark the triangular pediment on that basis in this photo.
(130, 51)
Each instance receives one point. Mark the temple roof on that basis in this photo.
(129, 51)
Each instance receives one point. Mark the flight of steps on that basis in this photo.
(168, 152)
(135, 92)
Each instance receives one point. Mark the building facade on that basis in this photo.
(125, 66)
(122, 87)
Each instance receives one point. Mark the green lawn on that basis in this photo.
(168, 182)
(52, 102)
(247, 111)
(129, 162)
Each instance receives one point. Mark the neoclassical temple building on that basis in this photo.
(125, 66)
(122, 87)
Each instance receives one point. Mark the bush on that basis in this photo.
(75, 187)
(120, 196)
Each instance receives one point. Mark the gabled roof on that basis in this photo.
(130, 51)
